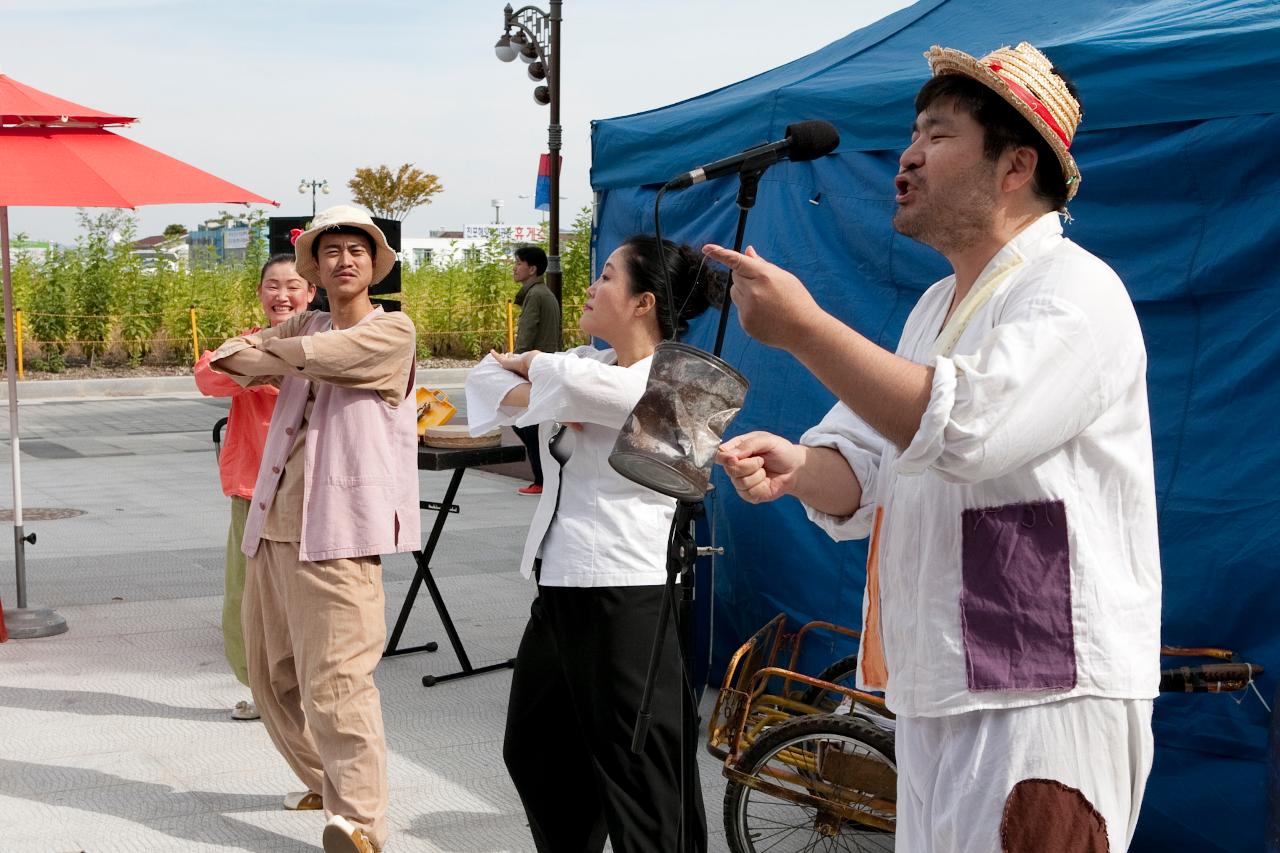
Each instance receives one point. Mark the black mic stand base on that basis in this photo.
(682, 552)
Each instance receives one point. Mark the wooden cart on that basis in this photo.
(810, 759)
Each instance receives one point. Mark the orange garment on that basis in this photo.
(247, 425)
(875, 671)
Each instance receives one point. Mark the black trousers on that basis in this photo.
(529, 436)
(578, 680)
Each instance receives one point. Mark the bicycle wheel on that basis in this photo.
(843, 672)
(819, 783)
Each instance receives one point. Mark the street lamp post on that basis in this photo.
(536, 40)
(323, 186)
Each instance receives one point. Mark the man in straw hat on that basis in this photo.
(1001, 464)
(338, 486)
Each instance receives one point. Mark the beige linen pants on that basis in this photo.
(314, 633)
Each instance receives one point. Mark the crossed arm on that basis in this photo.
(247, 360)
(253, 363)
(375, 355)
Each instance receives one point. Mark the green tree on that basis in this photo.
(255, 253)
(25, 277)
(139, 300)
(49, 308)
(177, 229)
(575, 276)
(97, 293)
(218, 294)
(393, 196)
(107, 266)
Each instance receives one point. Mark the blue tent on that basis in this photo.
(1181, 182)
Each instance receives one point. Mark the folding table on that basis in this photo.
(458, 460)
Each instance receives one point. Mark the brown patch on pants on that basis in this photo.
(1046, 816)
(314, 633)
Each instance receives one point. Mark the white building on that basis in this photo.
(36, 250)
(160, 251)
(443, 247)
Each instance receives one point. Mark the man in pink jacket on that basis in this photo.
(337, 487)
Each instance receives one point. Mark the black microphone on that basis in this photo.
(805, 140)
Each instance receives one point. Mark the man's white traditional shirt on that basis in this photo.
(1014, 556)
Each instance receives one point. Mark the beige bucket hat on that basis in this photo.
(1024, 77)
(343, 214)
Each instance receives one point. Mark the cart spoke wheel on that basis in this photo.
(843, 672)
(825, 784)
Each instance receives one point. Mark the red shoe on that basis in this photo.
(531, 489)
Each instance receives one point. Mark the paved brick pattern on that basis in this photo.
(135, 416)
(115, 735)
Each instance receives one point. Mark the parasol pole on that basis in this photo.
(25, 622)
(19, 555)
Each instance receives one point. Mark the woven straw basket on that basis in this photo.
(456, 436)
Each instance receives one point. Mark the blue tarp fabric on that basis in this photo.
(1181, 180)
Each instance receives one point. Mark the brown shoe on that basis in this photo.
(303, 801)
(342, 836)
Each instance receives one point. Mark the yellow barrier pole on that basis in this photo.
(195, 336)
(511, 327)
(17, 336)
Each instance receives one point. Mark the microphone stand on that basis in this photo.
(749, 182)
(682, 554)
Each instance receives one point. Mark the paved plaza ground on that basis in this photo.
(115, 736)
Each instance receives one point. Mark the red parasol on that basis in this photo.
(92, 167)
(21, 104)
(55, 153)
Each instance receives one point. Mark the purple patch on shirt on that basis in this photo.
(1015, 598)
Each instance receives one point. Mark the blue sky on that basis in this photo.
(267, 93)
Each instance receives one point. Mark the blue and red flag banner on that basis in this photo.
(542, 193)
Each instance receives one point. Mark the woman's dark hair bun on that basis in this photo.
(695, 285)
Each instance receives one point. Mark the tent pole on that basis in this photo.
(23, 623)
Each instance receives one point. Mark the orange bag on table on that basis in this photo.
(434, 409)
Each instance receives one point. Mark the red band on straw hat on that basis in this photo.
(1032, 102)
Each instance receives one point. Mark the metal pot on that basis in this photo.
(670, 438)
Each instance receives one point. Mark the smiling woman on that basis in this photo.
(282, 294)
(282, 291)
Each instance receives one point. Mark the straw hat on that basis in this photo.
(1024, 77)
(343, 214)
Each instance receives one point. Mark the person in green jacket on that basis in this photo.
(539, 328)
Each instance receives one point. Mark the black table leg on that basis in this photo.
(456, 642)
(423, 573)
(423, 560)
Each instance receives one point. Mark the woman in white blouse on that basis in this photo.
(598, 546)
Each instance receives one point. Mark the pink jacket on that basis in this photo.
(360, 493)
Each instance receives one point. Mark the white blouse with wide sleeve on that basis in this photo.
(606, 530)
